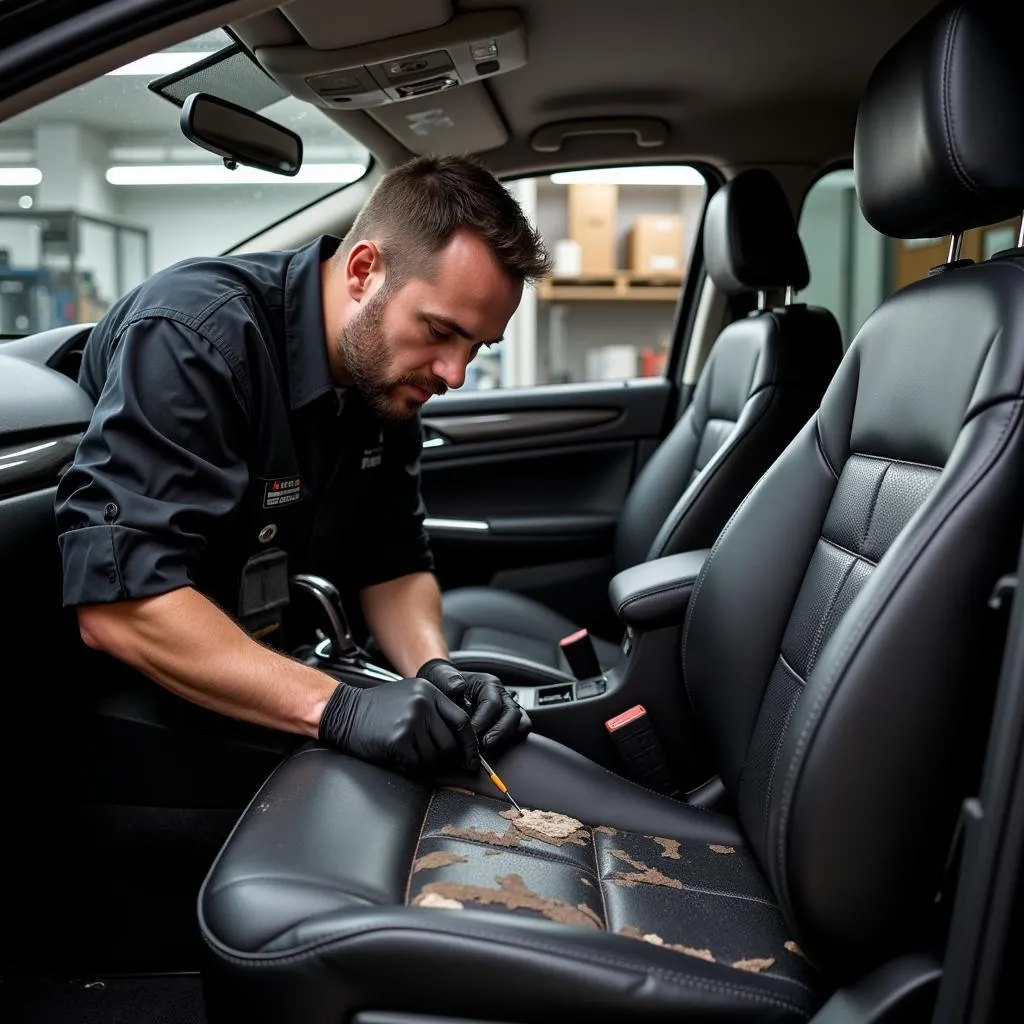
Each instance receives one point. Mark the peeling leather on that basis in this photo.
(433, 901)
(437, 859)
(548, 827)
(700, 905)
(476, 835)
(755, 965)
(643, 875)
(515, 895)
(669, 847)
(656, 940)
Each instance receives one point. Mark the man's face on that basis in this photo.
(401, 348)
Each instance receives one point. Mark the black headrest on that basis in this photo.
(750, 237)
(939, 146)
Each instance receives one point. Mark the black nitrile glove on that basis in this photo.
(406, 724)
(496, 717)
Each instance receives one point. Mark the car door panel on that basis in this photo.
(523, 487)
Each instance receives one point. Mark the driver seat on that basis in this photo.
(839, 657)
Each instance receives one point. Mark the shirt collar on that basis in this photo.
(308, 373)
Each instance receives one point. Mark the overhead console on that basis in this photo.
(464, 50)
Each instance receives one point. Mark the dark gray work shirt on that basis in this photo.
(217, 430)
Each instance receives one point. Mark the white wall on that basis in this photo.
(845, 254)
(197, 220)
(823, 230)
(21, 240)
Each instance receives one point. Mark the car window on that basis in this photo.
(99, 188)
(853, 267)
(622, 240)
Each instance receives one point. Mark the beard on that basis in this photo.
(366, 355)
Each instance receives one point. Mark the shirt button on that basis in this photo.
(110, 512)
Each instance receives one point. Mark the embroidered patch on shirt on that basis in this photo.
(281, 492)
(374, 455)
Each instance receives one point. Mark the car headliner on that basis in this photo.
(736, 81)
(772, 82)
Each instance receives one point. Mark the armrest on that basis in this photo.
(510, 669)
(656, 593)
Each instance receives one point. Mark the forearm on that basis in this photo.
(404, 616)
(184, 642)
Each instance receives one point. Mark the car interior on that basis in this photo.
(754, 587)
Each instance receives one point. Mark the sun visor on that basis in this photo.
(229, 74)
(403, 69)
(328, 27)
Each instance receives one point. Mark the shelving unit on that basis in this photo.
(621, 286)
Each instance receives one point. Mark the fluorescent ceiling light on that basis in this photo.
(218, 174)
(159, 63)
(667, 175)
(20, 176)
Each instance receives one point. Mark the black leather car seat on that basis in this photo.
(838, 654)
(762, 380)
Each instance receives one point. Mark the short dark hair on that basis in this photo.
(417, 207)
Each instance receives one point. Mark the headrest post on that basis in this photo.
(762, 299)
(1020, 234)
(956, 241)
(790, 295)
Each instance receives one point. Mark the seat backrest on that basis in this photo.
(838, 651)
(762, 380)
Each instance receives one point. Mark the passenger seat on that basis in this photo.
(763, 379)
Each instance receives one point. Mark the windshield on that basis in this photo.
(99, 188)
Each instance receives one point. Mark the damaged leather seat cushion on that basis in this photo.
(364, 845)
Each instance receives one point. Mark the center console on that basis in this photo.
(575, 706)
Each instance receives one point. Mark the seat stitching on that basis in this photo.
(731, 895)
(684, 980)
(524, 850)
(665, 588)
(847, 551)
(874, 505)
(821, 447)
(708, 474)
(819, 633)
(704, 571)
(867, 619)
(792, 671)
(778, 748)
(952, 38)
(419, 840)
(766, 809)
(896, 462)
(600, 883)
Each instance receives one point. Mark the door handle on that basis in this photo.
(433, 438)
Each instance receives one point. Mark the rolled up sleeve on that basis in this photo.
(393, 540)
(161, 466)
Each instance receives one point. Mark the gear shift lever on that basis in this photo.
(326, 594)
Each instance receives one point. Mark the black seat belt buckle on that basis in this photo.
(578, 649)
(641, 753)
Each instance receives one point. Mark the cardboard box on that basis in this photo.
(656, 244)
(593, 210)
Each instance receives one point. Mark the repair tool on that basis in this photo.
(501, 785)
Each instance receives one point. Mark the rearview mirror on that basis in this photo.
(239, 135)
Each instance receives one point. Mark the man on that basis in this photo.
(257, 416)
